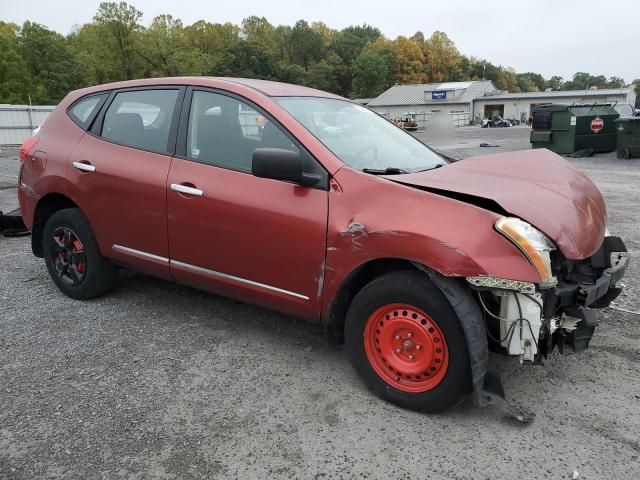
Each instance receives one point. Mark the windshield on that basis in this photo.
(359, 137)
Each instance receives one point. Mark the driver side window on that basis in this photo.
(224, 132)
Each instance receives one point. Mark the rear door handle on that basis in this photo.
(85, 167)
(196, 192)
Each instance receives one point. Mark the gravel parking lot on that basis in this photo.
(157, 380)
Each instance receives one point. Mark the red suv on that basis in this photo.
(307, 203)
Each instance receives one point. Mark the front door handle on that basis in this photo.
(84, 166)
(177, 187)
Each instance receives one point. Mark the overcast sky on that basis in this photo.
(551, 37)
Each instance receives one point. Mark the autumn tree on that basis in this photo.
(408, 62)
(442, 58)
(355, 61)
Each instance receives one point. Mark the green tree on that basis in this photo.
(585, 81)
(244, 59)
(51, 64)
(531, 82)
(349, 42)
(291, 73)
(164, 47)
(14, 75)
(555, 83)
(322, 75)
(305, 45)
(122, 22)
(258, 31)
(370, 75)
(616, 82)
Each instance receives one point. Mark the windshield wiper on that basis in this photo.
(437, 165)
(386, 171)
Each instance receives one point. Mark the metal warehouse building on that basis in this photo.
(454, 98)
(468, 102)
(520, 105)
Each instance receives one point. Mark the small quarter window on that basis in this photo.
(82, 111)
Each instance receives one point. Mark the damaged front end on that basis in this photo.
(530, 321)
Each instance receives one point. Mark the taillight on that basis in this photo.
(28, 144)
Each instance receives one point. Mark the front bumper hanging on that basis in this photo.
(583, 288)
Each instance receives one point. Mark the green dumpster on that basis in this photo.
(628, 136)
(569, 128)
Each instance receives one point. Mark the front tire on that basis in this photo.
(405, 341)
(73, 258)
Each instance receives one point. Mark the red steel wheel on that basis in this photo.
(406, 348)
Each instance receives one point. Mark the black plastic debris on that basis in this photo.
(11, 224)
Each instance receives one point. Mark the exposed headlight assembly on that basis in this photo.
(532, 243)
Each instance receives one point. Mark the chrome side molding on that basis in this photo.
(213, 273)
(205, 271)
(139, 253)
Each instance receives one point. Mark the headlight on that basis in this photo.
(533, 243)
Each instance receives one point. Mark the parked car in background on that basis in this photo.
(307, 203)
(406, 123)
(495, 122)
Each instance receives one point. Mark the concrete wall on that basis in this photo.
(519, 108)
(18, 121)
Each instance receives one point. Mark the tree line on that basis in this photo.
(40, 66)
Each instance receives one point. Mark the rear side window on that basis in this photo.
(82, 112)
(141, 119)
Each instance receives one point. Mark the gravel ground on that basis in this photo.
(157, 380)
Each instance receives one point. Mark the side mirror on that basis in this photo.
(281, 164)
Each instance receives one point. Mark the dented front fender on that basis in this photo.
(372, 218)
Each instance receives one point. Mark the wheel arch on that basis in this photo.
(47, 206)
(454, 289)
(360, 276)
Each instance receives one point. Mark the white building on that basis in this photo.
(520, 105)
(468, 102)
(454, 98)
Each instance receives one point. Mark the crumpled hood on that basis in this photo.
(537, 186)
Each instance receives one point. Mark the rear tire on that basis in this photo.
(406, 342)
(73, 258)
